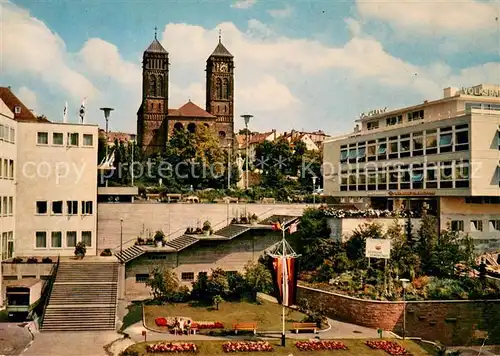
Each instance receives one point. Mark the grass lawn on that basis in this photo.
(267, 315)
(133, 316)
(354, 348)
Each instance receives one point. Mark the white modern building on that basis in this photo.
(8, 162)
(444, 152)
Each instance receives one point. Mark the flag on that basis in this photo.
(82, 111)
(65, 113)
(277, 226)
(293, 228)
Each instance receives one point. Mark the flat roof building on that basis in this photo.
(445, 153)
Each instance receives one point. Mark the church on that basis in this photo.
(156, 122)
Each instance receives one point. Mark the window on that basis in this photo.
(430, 142)
(417, 176)
(41, 239)
(416, 115)
(10, 211)
(4, 204)
(404, 146)
(461, 138)
(418, 144)
(343, 155)
(72, 207)
(462, 174)
(57, 207)
(6, 168)
(393, 148)
(431, 177)
(353, 152)
(87, 238)
(56, 239)
(445, 141)
(73, 139)
(476, 225)
(446, 177)
(12, 135)
(390, 121)
(42, 138)
(393, 178)
(70, 238)
(371, 151)
(372, 125)
(405, 180)
(41, 207)
(141, 277)
(17, 109)
(457, 225)
(382, 150)
(87, 207)
(57, 138)
(361, 180)
(1, 132)
(187, 276)
(3, 246)
(494, 225)
(11, 169)
(88, 140)
(361, 154)
(382, 180)
(371, 176)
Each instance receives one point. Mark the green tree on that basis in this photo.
(217, 300)
(200, 288)
(313, 226)
(258, 279)
(164, 284)
(217, 283)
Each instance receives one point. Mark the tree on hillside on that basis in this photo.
(258, 279)
(313, 226)
(164, 284)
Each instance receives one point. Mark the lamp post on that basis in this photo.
(107, 112)
(121, 236)
(314, 187)
(405, 282)
(247, 118)
(132, 174)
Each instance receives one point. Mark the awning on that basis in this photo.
(445, 140)
(382, 149)
(343, 154)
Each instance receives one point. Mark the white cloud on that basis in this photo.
(243, 4)
(448, 17)
(30, 47)
(28, 97)
(280, 13)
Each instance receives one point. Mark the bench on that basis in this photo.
(305, 326)
(245, 327)
(193, 330)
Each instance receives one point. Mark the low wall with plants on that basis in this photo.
(451, 322)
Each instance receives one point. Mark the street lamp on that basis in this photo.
(405, 283)
(107, 112)
(314, 187)
(132, 174)
(121, 236)
(247, 118)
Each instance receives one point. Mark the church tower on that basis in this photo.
(220, 91)
(152, 114)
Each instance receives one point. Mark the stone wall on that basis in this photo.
(143, 219)
(450, 322)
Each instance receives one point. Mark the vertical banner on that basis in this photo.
(292, 273)
(277, 273)
(288, 296)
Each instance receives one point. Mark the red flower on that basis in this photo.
(320, 345)
(172, 348)
(207, 325)
(247, 346)
(392, 348)
(161, 321)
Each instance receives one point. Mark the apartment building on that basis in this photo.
(444, 153)
(8, 161)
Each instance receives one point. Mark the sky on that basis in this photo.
(304, 65)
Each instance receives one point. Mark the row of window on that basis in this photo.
(446, 139)
(57, 207)
(476, 225)
(397, 119)
(7, 133)
(55, 239)
(7, 245)
(57, 139)
(6, 168)
(450, 174)
(6, 206)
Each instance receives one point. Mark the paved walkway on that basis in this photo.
(14, 338)
(474, 351)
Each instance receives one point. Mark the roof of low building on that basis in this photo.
(12, 101)
(190, 109)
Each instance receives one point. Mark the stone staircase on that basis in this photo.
(84, 297)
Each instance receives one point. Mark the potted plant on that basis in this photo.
(46, 260)
(32, 260)
(207, 227)
(159, 237)
(253, 219)
(244, 220)
(80, 250)
(17, 260)
(234, 221)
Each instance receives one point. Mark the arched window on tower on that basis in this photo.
(224, 89)
(218, 88)
(228, 89)
(152, 85)
(159, 86)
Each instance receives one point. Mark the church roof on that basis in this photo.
(190, 109)
(221, 51)
(156, 47)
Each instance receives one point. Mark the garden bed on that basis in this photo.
(267, 315)
(355, 347)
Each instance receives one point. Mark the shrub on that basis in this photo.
(17, 260)
(129, 353)
(32, 260)
(106, 253)
(80, 249)
(420, 282)
(159, 236)
(46, 260)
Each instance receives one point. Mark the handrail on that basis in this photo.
(53, 274)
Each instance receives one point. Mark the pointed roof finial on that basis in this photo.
(156, 31)
(220, 35)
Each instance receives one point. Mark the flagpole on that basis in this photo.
(285, 295)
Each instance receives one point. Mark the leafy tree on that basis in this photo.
(428, 240)
(355, 246)
(217, 300)
(217, 283)
(164, 284)
(313, 226)
(237, 285)
(258, 279)
(200, 287)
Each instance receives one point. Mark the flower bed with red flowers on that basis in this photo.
(247, 346)
(161, 322)
(392, 348)
(207, 325)
(320, 345)
(164, 347)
